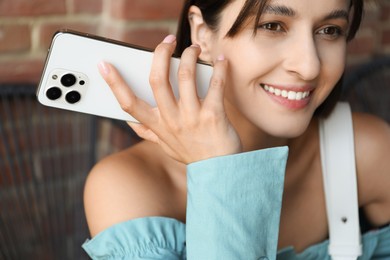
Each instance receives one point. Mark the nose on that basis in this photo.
(303, 58)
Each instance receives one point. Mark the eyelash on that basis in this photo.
(266, 27)
(270, 27)
(337, 32)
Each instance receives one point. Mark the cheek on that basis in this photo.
(248, 61)
(333, 60)
(243, 72)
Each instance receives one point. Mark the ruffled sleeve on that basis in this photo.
(145, 238)
(233, 212)
(376, 245)
(234, 204)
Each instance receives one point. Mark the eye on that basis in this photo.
(331, 32)
(274, 27)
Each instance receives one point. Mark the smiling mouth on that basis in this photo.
(287, 94)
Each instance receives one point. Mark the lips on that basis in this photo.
(287, 94)
(291, 97)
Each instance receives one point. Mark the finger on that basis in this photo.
(128, 101)
(215, 95)
(159, 76)
(187, 79)
(144, 132)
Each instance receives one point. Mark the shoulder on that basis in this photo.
(130, 184)
(372, 142)
(372, 147)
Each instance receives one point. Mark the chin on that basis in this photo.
(292, 133)
(288, 129)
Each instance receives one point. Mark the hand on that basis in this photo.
(188, 129)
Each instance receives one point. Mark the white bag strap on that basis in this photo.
(340, 184)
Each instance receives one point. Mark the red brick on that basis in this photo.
(145, 37)
(21, 71)
(385, 13)
(14, 38)
(48, 30)
(31, 8)
(386, 37)
(88, 6)
(145, 9)
(148, 38)
(362, 45)
(382, 3)
(370, 17)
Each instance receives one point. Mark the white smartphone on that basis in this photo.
(71, 80)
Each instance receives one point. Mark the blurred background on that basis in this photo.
(26, 28)
(45, 154)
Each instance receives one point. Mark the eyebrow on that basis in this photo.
(279, 10)
(338, 14)
(287, 11)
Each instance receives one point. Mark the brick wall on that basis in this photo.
(373, 39)
(26, 28)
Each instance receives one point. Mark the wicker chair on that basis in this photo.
(45, 155)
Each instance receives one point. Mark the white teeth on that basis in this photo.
(299, 95)
(290, 95)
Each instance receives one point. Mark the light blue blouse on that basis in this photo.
(233, 212)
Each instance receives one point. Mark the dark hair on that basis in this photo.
(211, 10)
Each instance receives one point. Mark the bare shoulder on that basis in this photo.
(130, 184)
(372, 146)
(372, 141)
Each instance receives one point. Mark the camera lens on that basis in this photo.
(73, 97)
(53, 93)
(68, 80)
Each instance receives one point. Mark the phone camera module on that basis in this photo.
(73, 97)
(54, 93)
(68, 80)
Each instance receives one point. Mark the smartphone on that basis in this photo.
(71, 80)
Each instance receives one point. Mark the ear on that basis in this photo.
(201, 34)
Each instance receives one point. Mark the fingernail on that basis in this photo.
(170, 39)
(195, 45)
(104, 68)
(221, 57)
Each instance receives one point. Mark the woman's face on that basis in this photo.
(281, 74)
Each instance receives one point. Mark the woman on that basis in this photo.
(220, 165)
